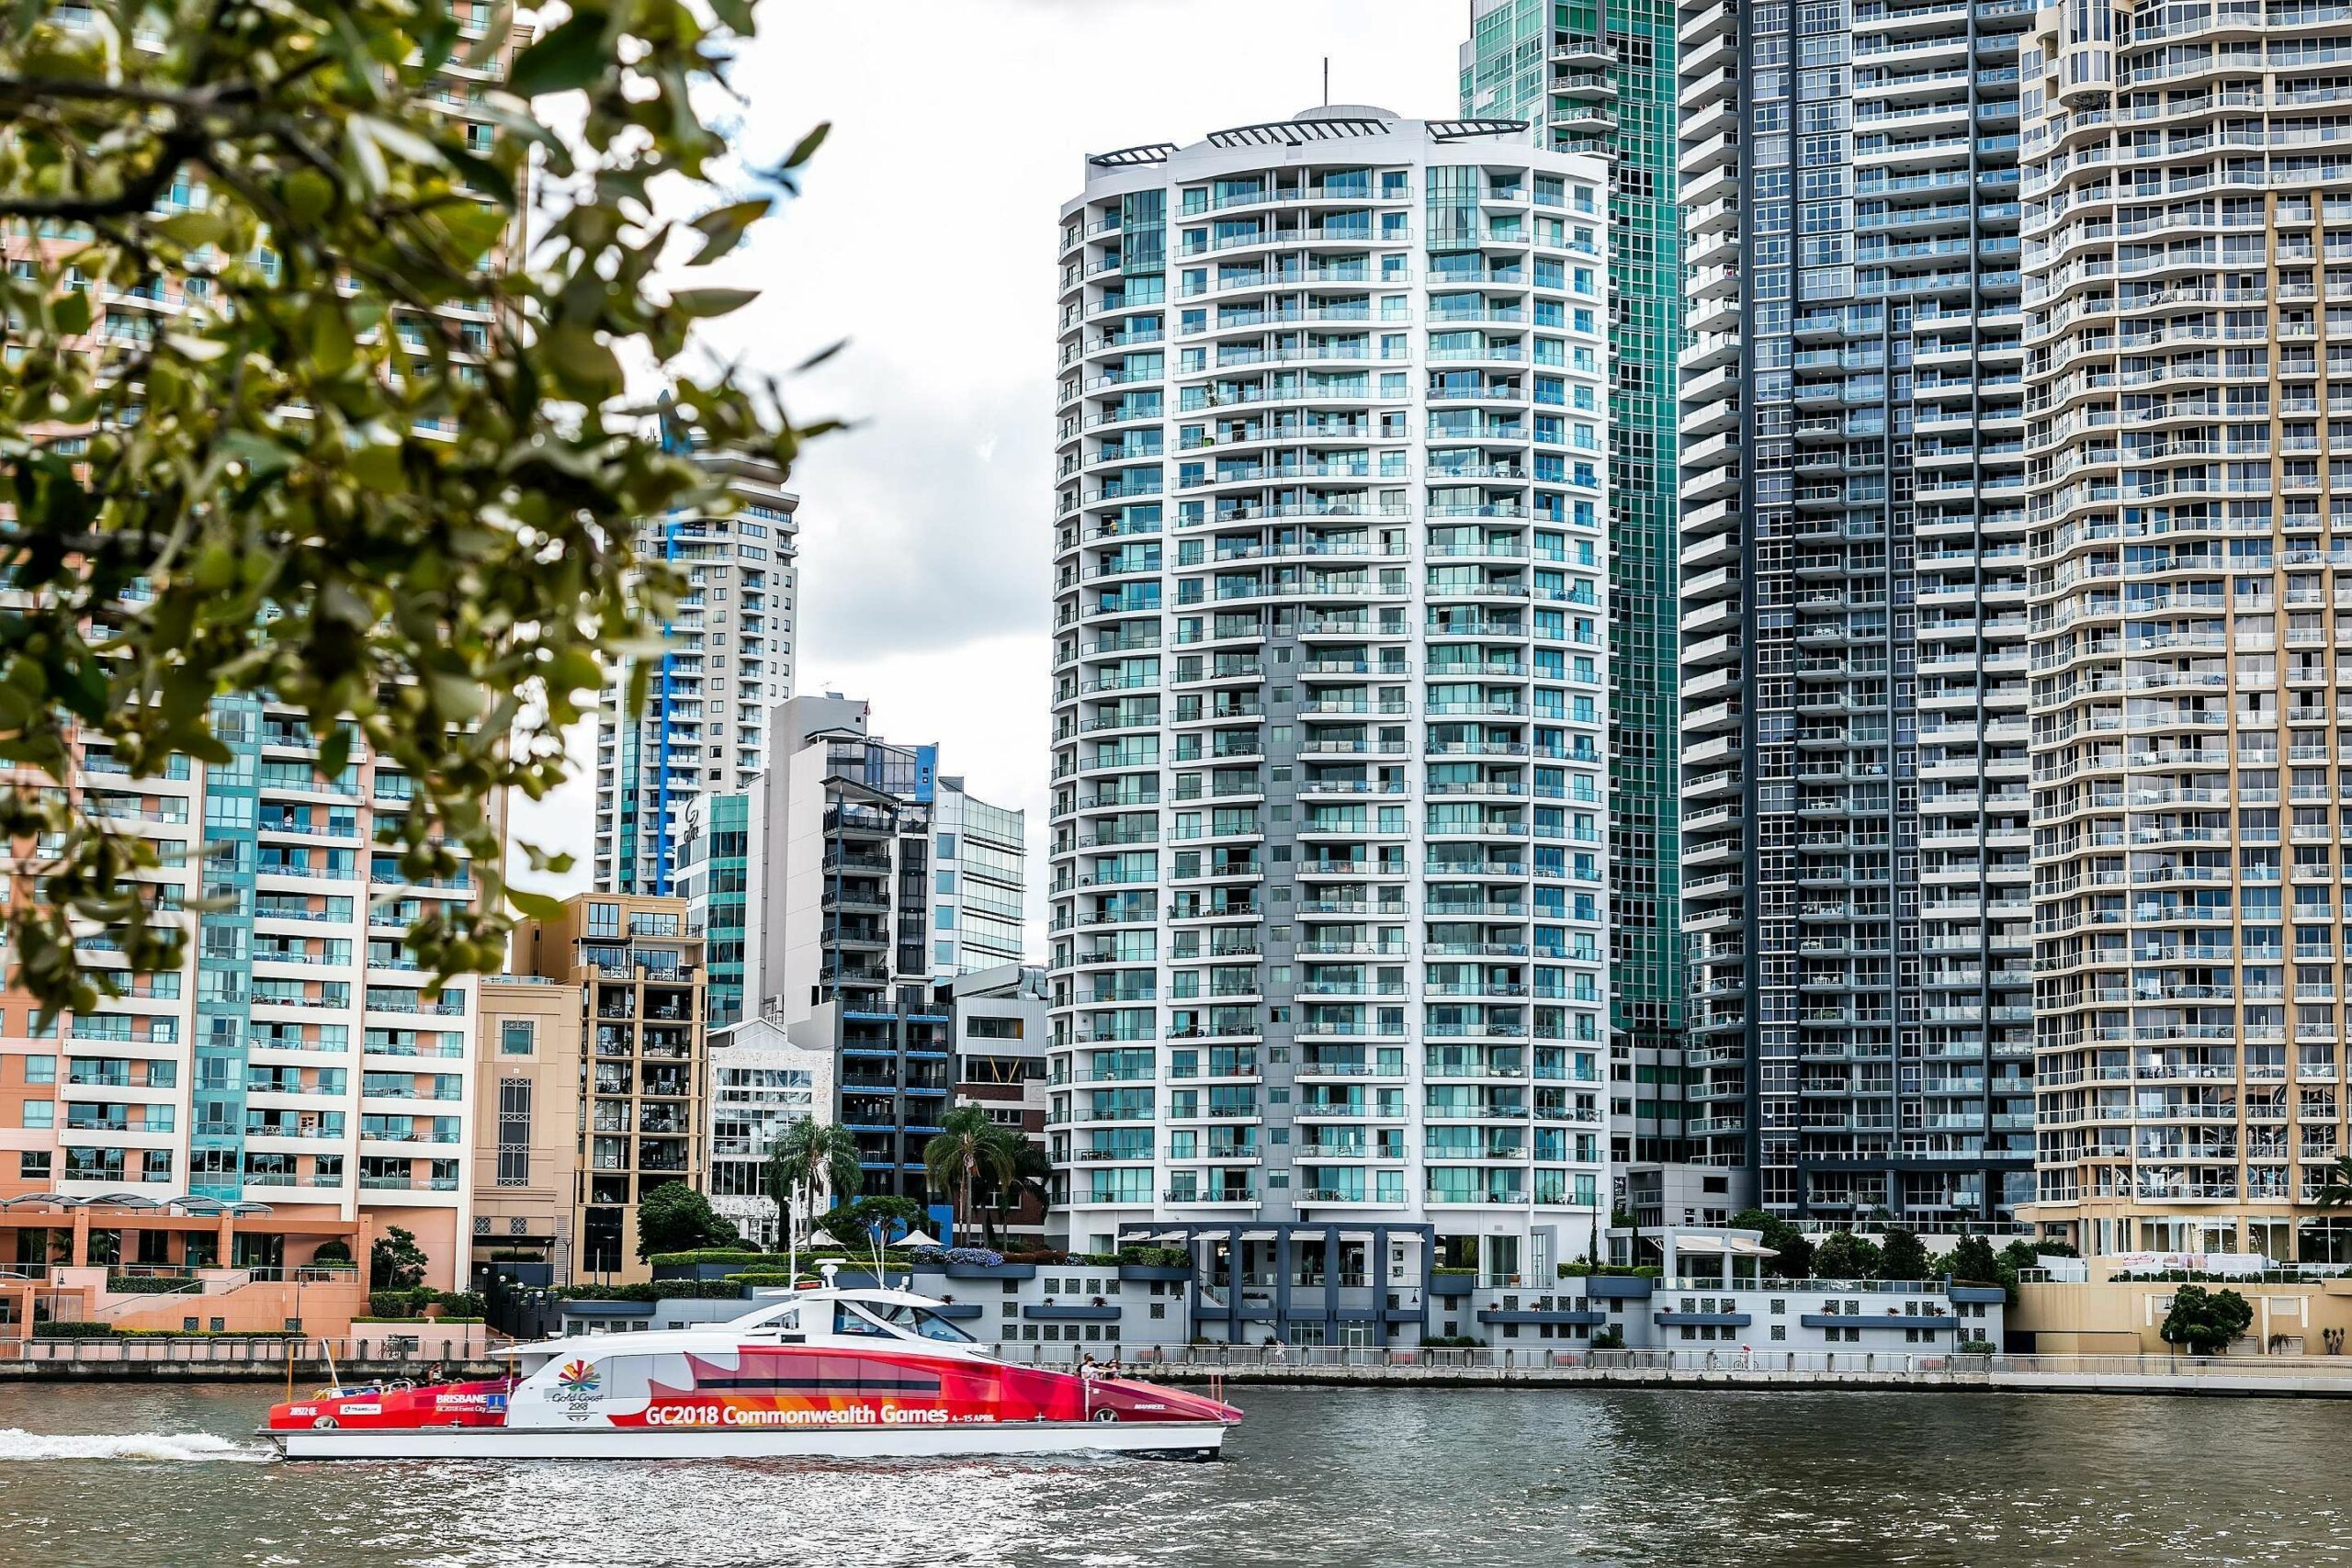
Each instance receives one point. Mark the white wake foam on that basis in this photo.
(188, 1447)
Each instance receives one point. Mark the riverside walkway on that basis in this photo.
(2271, 1376)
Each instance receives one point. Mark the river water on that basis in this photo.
(129, 1476)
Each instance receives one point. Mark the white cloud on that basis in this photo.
(925, 236)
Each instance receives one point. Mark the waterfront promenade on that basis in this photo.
(2326, 1377)
(2276, 1376)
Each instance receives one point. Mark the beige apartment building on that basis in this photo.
(528, 1072)
(637, 979)
(2186, 223)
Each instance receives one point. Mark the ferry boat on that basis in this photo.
(823, 1372)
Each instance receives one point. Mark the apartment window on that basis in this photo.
(40, 1069)
(32, 1165)
(514, 1132)
(604, 919)
(40, 1113)
(517, 1036)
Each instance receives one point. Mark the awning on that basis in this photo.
(1698, 1243)
(1746, 1248)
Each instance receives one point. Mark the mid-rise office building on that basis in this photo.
(1599, 77)
(729, 661)
(1854, 807)
(1001, 1031)
(760, 1083)
(714, 877)
(1330, 676)
(2189, 395)
(638, 980)
(858, 904)
(528, 1082)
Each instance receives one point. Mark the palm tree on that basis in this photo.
(1031, 1177)
(967, 1147)
(814, 1157)
(2336, 1193)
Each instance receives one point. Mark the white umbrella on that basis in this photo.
(917, 1238)
(821, 1239)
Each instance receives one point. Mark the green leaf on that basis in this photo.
(723, 230)
(699, 303)
(570, 54)
(806, 148)
(538, 905)
(193, 229)
(70, 312)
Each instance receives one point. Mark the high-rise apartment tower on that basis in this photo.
(703, 729)
(1331, 675)
(1854, 817)
(2188, 222)
(1598, 76)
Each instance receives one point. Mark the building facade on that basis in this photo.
(980, 894)
(1855, 846)
(760, 1083)
(703, 728)
(2187, 218)
(295, 1060)
(1598, 76)
(1330, 676)
(643, 1069)
(713, 877)
(1000, 1029)
(874, 876)
(528, 1081)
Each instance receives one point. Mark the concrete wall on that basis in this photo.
(2124, 1316)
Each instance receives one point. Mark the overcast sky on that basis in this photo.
(925, 236)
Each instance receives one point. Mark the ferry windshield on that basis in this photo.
(922, 1321)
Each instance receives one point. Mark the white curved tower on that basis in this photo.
(1330, 682)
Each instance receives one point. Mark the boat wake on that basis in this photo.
(183, 1448)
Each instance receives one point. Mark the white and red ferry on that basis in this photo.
(824, 1372)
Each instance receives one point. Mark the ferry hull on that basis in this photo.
(1168, 1439)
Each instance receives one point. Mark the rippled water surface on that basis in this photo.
(125, 1477)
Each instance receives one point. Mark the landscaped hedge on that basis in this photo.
(1156, 1257)
(149, 1284)
(394, 1305)
(891, 1259)
(70, 1329)
(654, 1290)
(420, 1322)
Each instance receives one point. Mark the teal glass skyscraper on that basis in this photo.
(1598, 76)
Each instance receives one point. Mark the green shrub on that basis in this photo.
(207, 1333)
(68, 1329)
(1156, 1257)
(1452, 1341)
(386, 1306)
(1609, 1337)
(1976, 1348)
(149, 1284)
(422, 1322)
(1454, 1269)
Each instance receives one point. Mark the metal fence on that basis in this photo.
(1185, 1359)
(238, 1351)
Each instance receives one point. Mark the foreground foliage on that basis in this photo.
(292, 412)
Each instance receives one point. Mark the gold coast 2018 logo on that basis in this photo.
(575, 1385)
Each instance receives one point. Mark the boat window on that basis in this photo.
(923, 1321)
(848, 1322)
